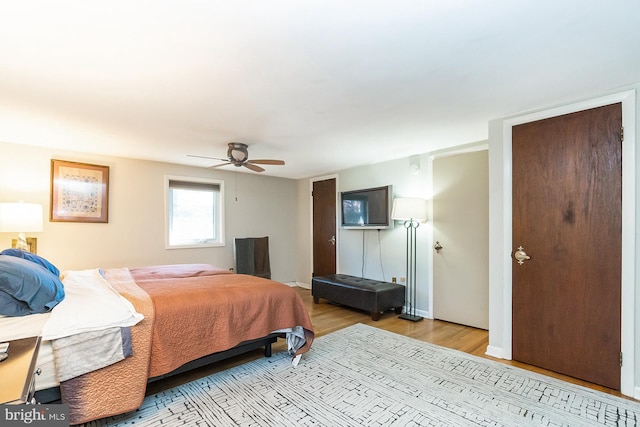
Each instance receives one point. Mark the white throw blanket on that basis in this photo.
(90, 304)
(89, 329)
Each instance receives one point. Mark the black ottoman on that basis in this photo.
(366, 294)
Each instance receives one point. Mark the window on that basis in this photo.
(194, 209)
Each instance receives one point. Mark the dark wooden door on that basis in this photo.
(324, 227)
(567, 217)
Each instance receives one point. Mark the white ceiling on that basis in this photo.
(324, 85)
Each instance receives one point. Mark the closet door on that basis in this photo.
(567, 244)
(461, 227)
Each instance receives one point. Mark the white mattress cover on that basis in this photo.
(13, 328)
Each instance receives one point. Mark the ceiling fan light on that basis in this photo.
(238, 152)
(238, 155)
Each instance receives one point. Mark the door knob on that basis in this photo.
(333, 240)
(437, 246)
(521, 256)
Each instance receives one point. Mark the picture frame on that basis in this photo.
(79, 192)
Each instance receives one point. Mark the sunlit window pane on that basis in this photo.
(193, 213)
(193, 216)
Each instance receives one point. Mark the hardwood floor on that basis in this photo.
(327, 317)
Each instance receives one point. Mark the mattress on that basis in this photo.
(13, 328)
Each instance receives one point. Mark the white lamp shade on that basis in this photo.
(20, 217)
(409, 208)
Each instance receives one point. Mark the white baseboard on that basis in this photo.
(303, 285)
(494, 351)
(424, 313)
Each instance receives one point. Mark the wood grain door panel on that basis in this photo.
(567, 210)
(324, 227)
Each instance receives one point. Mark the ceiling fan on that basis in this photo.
(238, 155)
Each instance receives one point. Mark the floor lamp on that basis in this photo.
(412, 211)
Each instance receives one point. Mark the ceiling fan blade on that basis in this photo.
(252, 167)
(267, 162)
(220, 165)
(207, 157)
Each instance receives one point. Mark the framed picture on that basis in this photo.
(79, 192)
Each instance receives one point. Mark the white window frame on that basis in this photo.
(219, 225)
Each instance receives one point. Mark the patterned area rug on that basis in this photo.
(364, 376)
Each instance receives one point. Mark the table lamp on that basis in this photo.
(21, 218)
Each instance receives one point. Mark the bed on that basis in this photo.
(177, 316)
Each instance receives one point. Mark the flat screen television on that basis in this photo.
(367, 208)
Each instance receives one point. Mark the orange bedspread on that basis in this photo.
(190, 310)
(120, 387)
(200, 310)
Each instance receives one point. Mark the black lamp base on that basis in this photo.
(407, 316)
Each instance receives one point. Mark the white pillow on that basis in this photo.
(90, 304)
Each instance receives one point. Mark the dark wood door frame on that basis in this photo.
(501, 345)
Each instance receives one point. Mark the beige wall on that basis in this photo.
(369, 253)
(256, 205)
(384, 252)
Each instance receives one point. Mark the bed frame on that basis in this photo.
(52, 395)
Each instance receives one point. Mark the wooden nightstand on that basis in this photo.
(18, 371)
